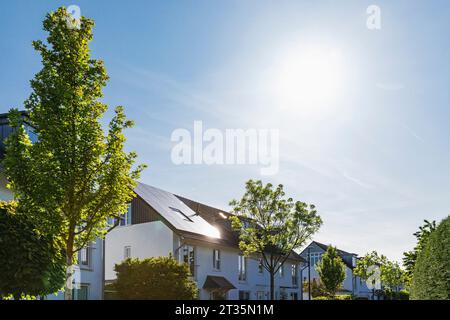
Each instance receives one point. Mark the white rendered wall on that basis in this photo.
(151, 239)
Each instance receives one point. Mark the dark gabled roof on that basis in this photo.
(4, 117)
(340, 252)
(193, 220)
(217, 283)
(219, 218)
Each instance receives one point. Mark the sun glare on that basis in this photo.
(309, 77)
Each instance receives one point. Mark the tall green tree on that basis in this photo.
(368, 268)
(158, 278)
(431, 277)
(272, 225)
(392, 276)
(75, 176)
(32, 263)
(410, 257)
(331, 270)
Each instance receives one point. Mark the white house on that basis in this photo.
(352, 284)
(159, 223)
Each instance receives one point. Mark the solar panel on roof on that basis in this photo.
(176, 212)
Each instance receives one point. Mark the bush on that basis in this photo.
(360, 298)
(403, 295)
(32, 263)
(431, 277)
(160, 278)
(336, 297)
(343, 297)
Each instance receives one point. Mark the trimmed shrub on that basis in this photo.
(403, 295)
(431, 277)
(159, 278)
(343, 297)
(336, 297)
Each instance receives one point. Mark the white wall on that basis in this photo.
(146, 240)
(360, 286)
(229, 269)
(91, 275)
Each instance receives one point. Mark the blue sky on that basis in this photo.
(370, 150)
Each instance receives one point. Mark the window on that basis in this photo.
(281, 270)
(244, 295)
(84, 256)
(126, 252)
(294, 274)
(31, 134)
(314, 257)
(125, 219)
(188, 256)
(242, 266)
(82, 293)
(216, 259)
(260, 295)
(294, 296)
(260, 265)
(354, 261)
(181, 214)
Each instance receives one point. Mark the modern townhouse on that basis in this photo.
(352, 284)
(90, 260)
(159, 223)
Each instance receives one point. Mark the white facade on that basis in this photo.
(154, 239)
(151, 239)
(352, 284)
(161, 224)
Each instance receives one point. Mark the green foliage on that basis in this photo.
(363, 264)
(31, 263)
(400, 295)
(75, 176)
(410, 257)
(431, 277)
(392, 276)
(154, 278)
(335, 297)
(331, 270)
(317, 288)
(271, 224)
(403, 295)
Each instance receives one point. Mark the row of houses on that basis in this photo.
(160, 223)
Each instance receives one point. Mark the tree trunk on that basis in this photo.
(272, 285)
(68, 292)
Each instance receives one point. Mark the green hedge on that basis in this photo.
(337, 297)
(431, 277)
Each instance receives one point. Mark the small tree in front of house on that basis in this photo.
(159, 278)
(368, 268)
(331, 270)
(392, 277)
(272, 225)
(75, 176)
(32, 263)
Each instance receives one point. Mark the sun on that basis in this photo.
(308, 78)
